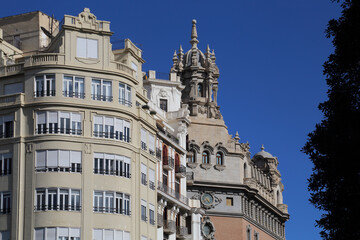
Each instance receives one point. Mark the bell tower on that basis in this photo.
(199, 74)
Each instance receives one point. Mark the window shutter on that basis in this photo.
(64, 115)
(41, 117)
(52, 160)
(97, 234)
(109, 121)
(109, 234)
(151, 142)
(143, 135)
(75, 232)
(64, 158)
(63, 232)
(81, 47)
(98, 155)
(92, 48)
(76, 117)
(53, 117)
(50, 233)
(118, 235)
(98, 120)
(151, 175)
(75, 157)
(40, 159)
(143, 168)
(119, 125)
(127, 236)
(39, 233)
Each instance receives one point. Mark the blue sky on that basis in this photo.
(270, 55)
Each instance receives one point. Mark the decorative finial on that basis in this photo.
(194, 35)
(175, 55)
(262, 147)
(237, 138)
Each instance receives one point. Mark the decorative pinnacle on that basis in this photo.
(262, 147)
(194, 35)
(180, 49)
(237, 138)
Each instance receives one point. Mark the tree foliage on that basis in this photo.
(334, 146)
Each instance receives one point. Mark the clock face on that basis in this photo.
(207, 199)
(206, 230)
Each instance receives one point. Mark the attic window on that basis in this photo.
(87, 48)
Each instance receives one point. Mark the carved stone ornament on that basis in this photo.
(87, 148)
(162, 93)
(245, 146)
(208, 200)
(29, 148)
(208, 229)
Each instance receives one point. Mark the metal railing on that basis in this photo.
(112, 172)
(113, 135)
(57, 207)
(169, 191)
(169, 161)
(143, 146)
(151, 185)
(182, 231)
(180, 169)
(58, 131)
(103, 98)
(47, 93)
(59, 169)
(74, 94)
(158, 153)
(5, 210)
(125, 102)
(170, 225)
(5, 172)
(112, 210)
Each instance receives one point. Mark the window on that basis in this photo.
(151, 214)
(57, 199)
(5, 164)
(248, 233)
(4, 235)
(58, 233)
(256, 236)
(5, 199)
(125, 94)
(151, 144)
(143, 134)
(164, 104)
(200, 90)
(165, 177)
(135, 67)
(58, 161)
(177, 185)
(110, 127)
(6, 126)
(45, 85)
(143, 210)
(58, 123)
(219, 158)
(110, 234)
(151, 179)
(111, 202)
(191, 157)
(13, 88)
(101, 90)
(143, 174)
(110, 164)
(87, 48)
(229, 201)
(73, 87)
(205, 157)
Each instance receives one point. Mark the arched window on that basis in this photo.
(192, 156)
(200, 90)
(177, 160)
(219, 158)
(205, 157)
(248, 233)
(165, 154)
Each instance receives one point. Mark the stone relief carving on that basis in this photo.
(208, 229)
(162, 93)
(29, 148)
(245, 146)
(207, 199)
(87, 148)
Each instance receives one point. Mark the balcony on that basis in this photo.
(171, 192)
(180, 171)
(168, 163)
(160, 220)
(182, 231)
(12, 99)
(169, 226)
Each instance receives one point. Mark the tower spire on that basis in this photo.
(194, 35)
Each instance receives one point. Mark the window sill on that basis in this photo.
(205, 166)
(219, 167)
(192, 164)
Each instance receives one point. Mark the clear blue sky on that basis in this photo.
(270, 55)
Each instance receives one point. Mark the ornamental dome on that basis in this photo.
(263, 154)
(198, 55)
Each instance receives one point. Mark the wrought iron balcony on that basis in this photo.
(171, 192)
(168, 163)
(180, 171)
(160, 220)
(169, 226)
(158, 153)
(182, 231)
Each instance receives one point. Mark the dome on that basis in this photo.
(263, 154)
(200, 57)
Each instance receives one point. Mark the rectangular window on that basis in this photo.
(73, 87)
(5, 164)
(151, 214)
(229, 201)
(4, 235)
(110, 234)
(63, 199)
(101, 90)
(143, 174)
(45, 85)
(110, 127)
(5, 199)
(143, 210)
(111, 202)
(164, 104)
(151, 179)
(6, 126)
(151, 144)
(143, 139)
(87, 48)
(58, 233)
(58, 122)
(125, 94)
(13, 88)
(110, 164)
(135, 68)
(177, 185)
(58, 161)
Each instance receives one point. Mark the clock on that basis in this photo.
(207, 199)
(207, 228)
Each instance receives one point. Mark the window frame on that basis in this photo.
(45, 81)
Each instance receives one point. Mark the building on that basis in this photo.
(91, 147)
(242, 196)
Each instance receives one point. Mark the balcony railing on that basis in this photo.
(168, 162)
(47, 93)
(112, 172)
(180, 170)
(59, 169)
(74, 94)
(143, 146)
(170, 226)
(113, 135)
(151, 185)
(182, 231)
(58, 131)
(112, 210)
(5, 210)
(158, 153)
(125, 102)
(56, 208)
(171, 192)
(103, 98)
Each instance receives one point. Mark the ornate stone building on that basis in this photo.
(242, 196)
